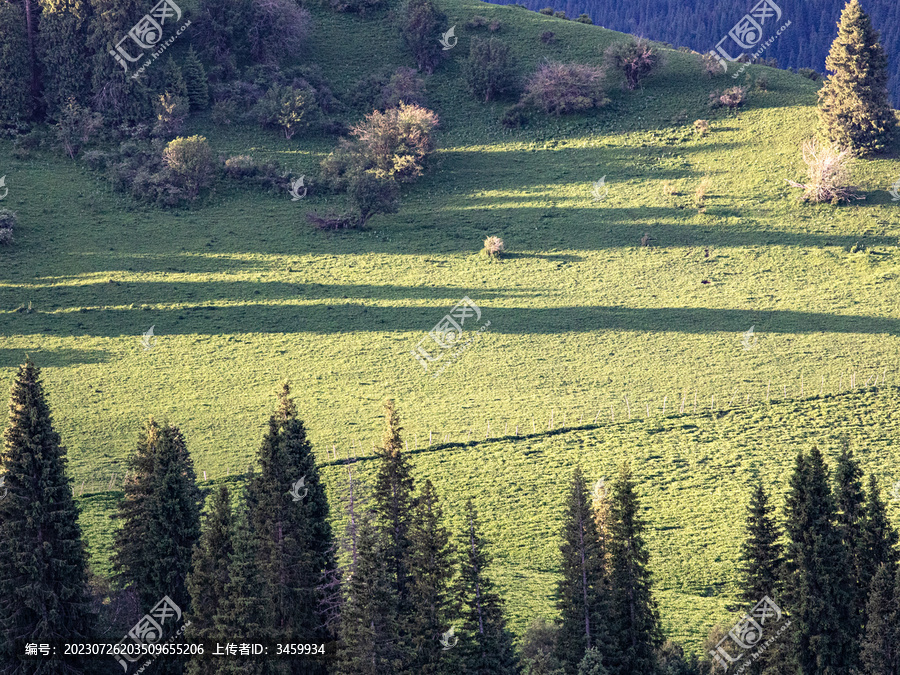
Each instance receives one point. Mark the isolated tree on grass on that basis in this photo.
(62, 47)
(881, 646)
(636, 59)
(209, 577)
(43, 565)
(15, 70)
(289, 512)
(580, 591)
(854, 109)
(421, 24)
(431, 569)
(191, 162)
(486, 644)
(490, 70)
(634, 625)
(160, 516)
(819, 576)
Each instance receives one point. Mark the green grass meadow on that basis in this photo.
(586, 325)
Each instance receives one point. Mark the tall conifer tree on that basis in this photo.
(854, 110)
(16, 104)
(195, 81)
(62, 46)
(849, 501)
(881, 647)
(580, 591)
(634, 624)
(879, 538)
(209, 577)
(43, 565)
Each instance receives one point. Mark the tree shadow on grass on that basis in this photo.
(52, 358)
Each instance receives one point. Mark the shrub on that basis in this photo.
(224, 112)
(701, 127)
(76, 126)
(548, 36)
(585, 18)
(421, 21)
(495, 25)
(730, 98)
(635, 58)
(406, 86)
(493, 247)
(809, 73)
(8, 220)
(332, 221)
(514, 116)
(171, 111)
(343, 162)
(565, 88)
(828, 173)
(370, 194)
(547, 11)
(6, 237)
(701, 192)
(560, 15)
(395, 142)
(762, 83)
(190, 161)
(358, 6)
(288, 109)
(240, 166)
(95, 159)
(278, 28)
(711, 65)
(477, 21)
(490, 70)
(269, 175)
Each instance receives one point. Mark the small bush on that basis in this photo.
(547, 11)
(809, 73)
(701, 127)
(548, 37)
(828, 168)
(711, 65)
(495, 25)
(477, 21)
(224, 113)
(636, 59)
(702, 191)
(514, 116)
(278, 28)
(396, 142)
(343, 162)
(762, 83)
(171, 112)
(732, 98)
(6, 238)
(585, 18)
(405, 86)
(240, 166)
(369, 194)
(421, 21)
(560, 88)
(356, 6)
(289, 109)
(77, 125)
(8, 220)
(190, 161)
(332, 221)
(493, 247)
(560, 15)
(490, 70)
(96, 159)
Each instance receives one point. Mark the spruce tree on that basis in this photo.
(173, 80)
(849, 499)
(820, 579)
(879, 538)
(430, 563)
(854, 110)
(15, 93)
(634, 623)
(246, 608)
(43, 565)
(160, 516)
(579, 593)
(209, 576)
(881, 647)
(289, 512)
(592, 663)
(63, 53)
(369, 621)
(486, 645)
(393, 502)
(195, 81)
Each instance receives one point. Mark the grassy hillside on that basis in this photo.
(242, 293)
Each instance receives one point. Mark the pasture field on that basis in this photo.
(585, 323)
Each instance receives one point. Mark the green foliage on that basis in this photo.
(592, 663)
(395, 143)
(849, 503)
(490, 70)
(854, 110)
(404, 86)
(585, 18)
(15, 72)
(636, 59)
(539, 649)
(63, 53)
(171, 112)
(277, 29)
(76, 126)
(881, 646)
(191, 162)
(288, 108)
(486, 645)
(221, 34)
(8, 222)
(368, 194)
(420, 23)
(173, 80)
(195, 81)
(43, 565)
